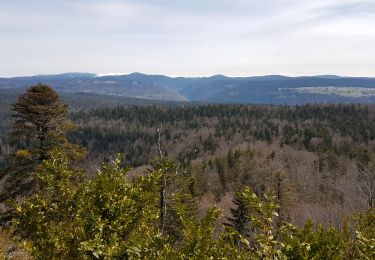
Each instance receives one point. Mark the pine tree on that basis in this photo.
(239, 221)
(41, 121)
(40, 124)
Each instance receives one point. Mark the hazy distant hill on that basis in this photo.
(90, 83)
(273, 89)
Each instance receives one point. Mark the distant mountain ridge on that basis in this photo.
(269, 89)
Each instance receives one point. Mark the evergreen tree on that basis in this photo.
(40, 124)
(238, 221)
(41, 121)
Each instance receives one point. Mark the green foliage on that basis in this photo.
(365, 234)
(365, 247)
(330, 243)
(40, 125)
(239, 221)
(321, 243)
(109, 217)
(103, 218)
(42, 219)
(260, 217)
(115, 215)
(197, 238)
(200, 239)
(40, 120)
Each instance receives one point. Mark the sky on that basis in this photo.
(188, 37)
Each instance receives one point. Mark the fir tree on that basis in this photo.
(41, 121)
(40, 124)
(239, 221)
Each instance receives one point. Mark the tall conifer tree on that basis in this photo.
(239, 220)
(41, 120)
(40, 124)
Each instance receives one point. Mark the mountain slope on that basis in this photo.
(90, 83)
(272, 89)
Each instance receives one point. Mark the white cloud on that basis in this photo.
(110, 74)
(181, 37)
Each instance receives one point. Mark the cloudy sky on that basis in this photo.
(188, 37)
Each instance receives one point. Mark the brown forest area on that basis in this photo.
(320, 159)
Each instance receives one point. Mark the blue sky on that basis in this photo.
(188, 38)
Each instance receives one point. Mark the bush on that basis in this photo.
(109, 217)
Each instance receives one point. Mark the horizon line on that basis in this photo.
(290, 75)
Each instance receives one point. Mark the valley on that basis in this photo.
(271, 89)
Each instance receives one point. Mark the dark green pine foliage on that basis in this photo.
(109, 130)
(41, 120)
(40, 124)
(239, 219)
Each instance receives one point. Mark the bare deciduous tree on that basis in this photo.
(366, 185)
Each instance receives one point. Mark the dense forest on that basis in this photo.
(318, 150)
(315, 161)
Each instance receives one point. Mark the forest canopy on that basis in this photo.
(289, 182)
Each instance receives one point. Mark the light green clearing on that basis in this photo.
(340, 91)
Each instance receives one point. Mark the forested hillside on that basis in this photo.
(271, 89)
(269, 169)
(76, 101)
(317, 153)
(187, 130)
